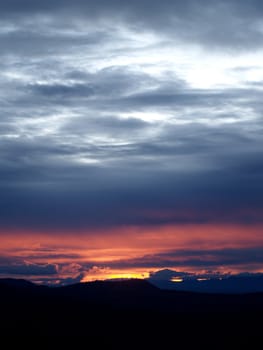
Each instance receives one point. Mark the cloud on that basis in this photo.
(70, 280)
(167, 275)
(102, 127)
(195, 259)
(231, 24)
(28, 269)
(63, 91)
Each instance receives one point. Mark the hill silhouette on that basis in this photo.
(113, 312)
(232, 284)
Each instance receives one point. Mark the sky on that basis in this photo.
(130, 138)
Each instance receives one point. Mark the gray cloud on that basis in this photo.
(167, 275)
(232, 24)
(67, 281)
(120, 113)
(213, 173)
(61, 90)
(90, 135)
(210, 260)
(28, 269)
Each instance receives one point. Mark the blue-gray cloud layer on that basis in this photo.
(94, 131)
(16, 266)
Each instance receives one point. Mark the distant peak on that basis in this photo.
(16, 282)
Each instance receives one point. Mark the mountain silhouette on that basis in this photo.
(239, 284)
(120, 312)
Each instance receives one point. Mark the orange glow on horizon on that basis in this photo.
(115, 274)
(107, 254)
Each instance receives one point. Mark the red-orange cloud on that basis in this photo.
(136, 251)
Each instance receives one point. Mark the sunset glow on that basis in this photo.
(132, 252)
(130, 139)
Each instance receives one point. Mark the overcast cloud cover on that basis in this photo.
(130, 105)
(130, 113)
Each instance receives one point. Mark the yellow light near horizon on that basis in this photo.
(108, 274)
(202, 279)
(125, 276)
(177, 280)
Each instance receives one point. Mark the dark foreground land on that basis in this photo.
(130, 314)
